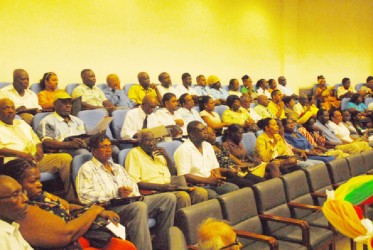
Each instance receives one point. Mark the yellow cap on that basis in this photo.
(63, 95)
(211, 80)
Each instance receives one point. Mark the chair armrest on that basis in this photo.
(320, 195)
(270, 241)
(304, 206)
(304, 226)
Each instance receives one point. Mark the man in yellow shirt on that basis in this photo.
(138, 92)
(276, 106)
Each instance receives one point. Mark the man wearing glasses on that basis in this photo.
(13, 206)
(102, 180)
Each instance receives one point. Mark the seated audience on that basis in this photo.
(13, 206)
(262, 88)
(306, 104)
(151, 167)
(290, 111)
(101, 180)
(299, 142)
(215, 90)
(166, 84)
(360, 113)
(187, 112)
(22, 97)
(236, 115)
(201, 88)
(92, 96)
(247, 87)
(186, 87)
(214, 234)
(276, 105)
(18, 140)
(326, 96)
(196, 161)
(272, 85)
(271, 148)
(211, 118)
(245, 100)
(262, 107)
(354, 131)
(233, 169)
(115, 94)
(62, 228)
(137, 92)
(282, 86)
(317, 140)
(346, 90)
(367, 90)
(167, 115)
(55, 128)
(234, 87)
(49, 85)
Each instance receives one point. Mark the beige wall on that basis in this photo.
(229, 38)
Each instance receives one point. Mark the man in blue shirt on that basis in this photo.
(115, 94)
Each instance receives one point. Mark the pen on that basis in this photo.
(116, 220)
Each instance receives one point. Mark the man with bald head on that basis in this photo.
(262, 107)
(22, 97)
(138, 91)
(18, 140)
(166, 84)
(115, 94)
(92, 96)
(140, 118)
(13, 206)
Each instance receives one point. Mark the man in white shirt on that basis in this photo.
(186, 87)
(13, 206)
(201, 88)
(167, 115)
(22, 97)
(166, 84)
(246, 105)
(282, 86)
(196, 161)
(187, 112)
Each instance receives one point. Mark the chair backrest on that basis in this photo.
(344, 103)
(102, 86)
(189, 218)
(356, 164)
(249, 141)
(368, 159)
(70, 87)
(117, 122)
(318, 180)
(297, 190)
(359, 85)
(127, 87)
(4, 84)
(219, 139)
(271, 199)
(35, 87)
(220, 109)
(368, 100)
(92, 117)
(339, 171)
(176, 239)
(77, 162)
(122, 155)
(170, 147)
(37, 119)
(239, 208)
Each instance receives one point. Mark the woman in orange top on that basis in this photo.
(49, 84)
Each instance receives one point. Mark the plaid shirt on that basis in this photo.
(95, 183)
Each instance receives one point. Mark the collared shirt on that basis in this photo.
(141, 167)
(11, 238)
(327, 132)
(238, 117)
(18, 136)
(285, 90)
(53, 126)
(118, 98)
(340, 130)
(274, 108)
(134, 121)
(263, 111)
(95, 183)
(29, 99)
(166, 118)
(189, 160)
(202, 90)
(267, 151)
(251, 113)
(189, 115)
(298, 142)
(181, 89)
(218, 93)
(93, 96)
(341, 90)
(265, 92)
(137, 93)
(163, 90)
(46, 98)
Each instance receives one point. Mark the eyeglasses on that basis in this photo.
(17, 194)
(106, 146)
(235, 243)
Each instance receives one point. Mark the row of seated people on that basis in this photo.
(280, 157)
